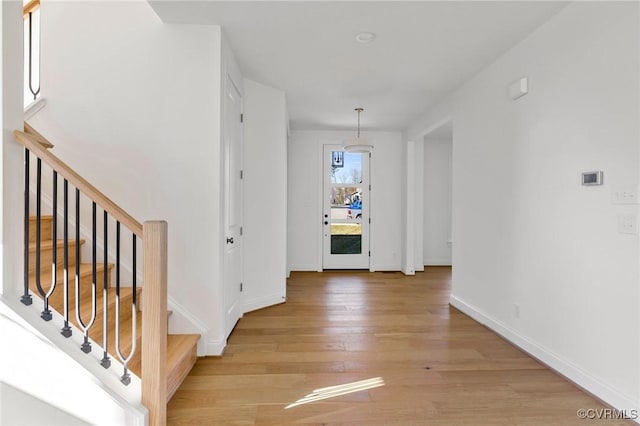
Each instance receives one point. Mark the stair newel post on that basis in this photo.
(154, 321)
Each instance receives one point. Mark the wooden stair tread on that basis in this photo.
(181, 357)
(85, 271)
(177, 345)
(47, 217)
(125, 339)
(48, 245)
(96, 332)
(126, 296)
(46, 224)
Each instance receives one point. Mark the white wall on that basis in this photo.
(525, 231)
(11, 153)
(134, 105)
(265, 196)
(437, 202)
(305, 211)
(53, 386)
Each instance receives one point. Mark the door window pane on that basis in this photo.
(346, 238)
(346, 202)
(346, 220)
(346, 167)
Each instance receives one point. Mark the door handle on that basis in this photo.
(230, 240)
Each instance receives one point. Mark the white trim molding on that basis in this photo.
(263, 302)
(216, 347)
(33, 108)
(182, 321)
(564, 367)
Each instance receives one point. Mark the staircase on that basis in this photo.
(106, 315)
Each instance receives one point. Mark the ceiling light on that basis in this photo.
(358, 144)
(365, 37)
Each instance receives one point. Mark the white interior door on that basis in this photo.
(345, 214)
(232, 205)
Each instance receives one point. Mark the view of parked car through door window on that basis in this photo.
(346, 203)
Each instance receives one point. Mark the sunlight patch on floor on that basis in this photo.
(334, 391)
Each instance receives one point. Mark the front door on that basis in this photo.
(345, 215)
(232, 205)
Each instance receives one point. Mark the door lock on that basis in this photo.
(230, 240)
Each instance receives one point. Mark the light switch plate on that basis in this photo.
(625, 194)
(628, 223)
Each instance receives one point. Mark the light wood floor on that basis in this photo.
(439, 366)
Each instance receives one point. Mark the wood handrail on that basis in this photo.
(30, 7)
(43, 141)
(33, 144)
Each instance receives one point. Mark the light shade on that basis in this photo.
(357, 145)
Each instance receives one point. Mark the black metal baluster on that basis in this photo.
(94, 251)
(106, 361)
(94, 259)
(66, 330)
(134, 266)
(26, 297)
(126, 377)
(86, 345)
(33, 92)
(46, 313)
(38, 225)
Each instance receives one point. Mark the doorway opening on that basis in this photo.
(345, 210)
(434, 242)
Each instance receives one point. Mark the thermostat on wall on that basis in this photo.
(592, 178)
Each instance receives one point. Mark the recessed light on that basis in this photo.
(365, 37)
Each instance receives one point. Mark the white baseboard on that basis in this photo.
(263, 302)
(303, 268)
(182, 321)
(378, 267)
(437, 262)
(583, 379)
(216, 347)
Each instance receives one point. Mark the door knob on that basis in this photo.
(230, 240)
(326, 223)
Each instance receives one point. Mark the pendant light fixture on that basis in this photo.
(358, 144)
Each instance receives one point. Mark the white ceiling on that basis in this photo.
(423, 51)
